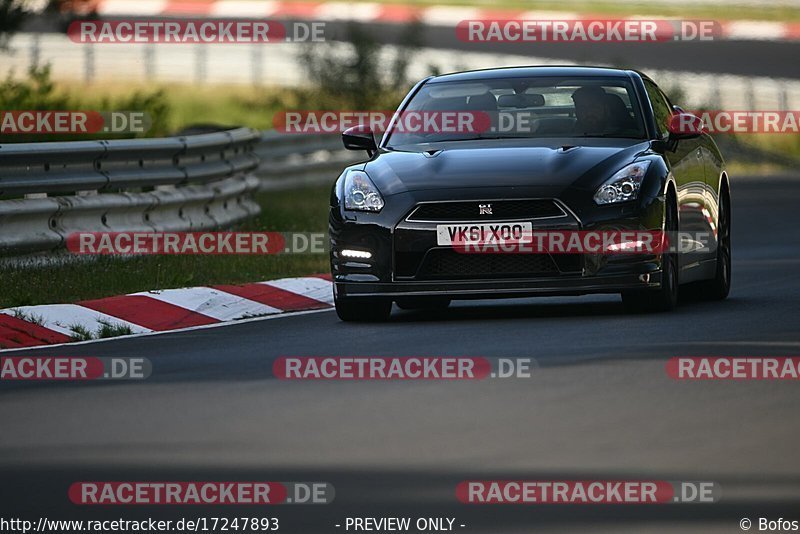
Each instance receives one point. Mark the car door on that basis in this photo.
(685, 158)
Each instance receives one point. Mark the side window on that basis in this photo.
(661, 109)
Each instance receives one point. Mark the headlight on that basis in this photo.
(360, 194)
(624, 185)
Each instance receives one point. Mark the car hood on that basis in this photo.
(555, 164)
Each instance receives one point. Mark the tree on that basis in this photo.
(361, 78)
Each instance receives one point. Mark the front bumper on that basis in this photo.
(391, 237)
(479, 289)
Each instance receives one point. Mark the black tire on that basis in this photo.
(363, 309)
(422, 303)
(665, 298)
(718, 287)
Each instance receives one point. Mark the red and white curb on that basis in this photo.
(162, 311)
(447, 16)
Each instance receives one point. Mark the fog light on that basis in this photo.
(359, 254)
(626, 245)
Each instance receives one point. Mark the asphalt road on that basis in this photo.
(745, 58)
(600, 407)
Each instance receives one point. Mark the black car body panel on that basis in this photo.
(557, 176)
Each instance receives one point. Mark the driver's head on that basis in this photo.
(590, 107)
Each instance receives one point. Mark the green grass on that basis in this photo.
(786, 144)
(29, 317)
(107, 330)
(227, 105)
(169, 107)
(81, 333)
(300, 210)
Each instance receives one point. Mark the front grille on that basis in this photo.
(449, 264)
(501, 209)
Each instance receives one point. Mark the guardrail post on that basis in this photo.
(715, 97)
(149, 62)
(88, 63)
(200, 63)
(256, 64)
(36, 49)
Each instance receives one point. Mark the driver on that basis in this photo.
(591, 110)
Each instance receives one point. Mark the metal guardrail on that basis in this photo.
(292, 160)
(195, 182)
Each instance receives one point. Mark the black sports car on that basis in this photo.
(599, 149)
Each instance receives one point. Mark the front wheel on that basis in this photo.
(664, 298)
(362, 309)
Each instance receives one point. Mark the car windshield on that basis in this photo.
(507, 108)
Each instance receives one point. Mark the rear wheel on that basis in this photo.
(664, 298)
(718, 287)
(362, 309)
(423, 303)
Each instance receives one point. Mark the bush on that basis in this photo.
(38, 92)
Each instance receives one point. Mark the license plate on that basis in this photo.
(484, 233)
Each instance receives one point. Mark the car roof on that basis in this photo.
(534, 71)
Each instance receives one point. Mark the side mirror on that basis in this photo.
(360, 137)
(683, 125)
